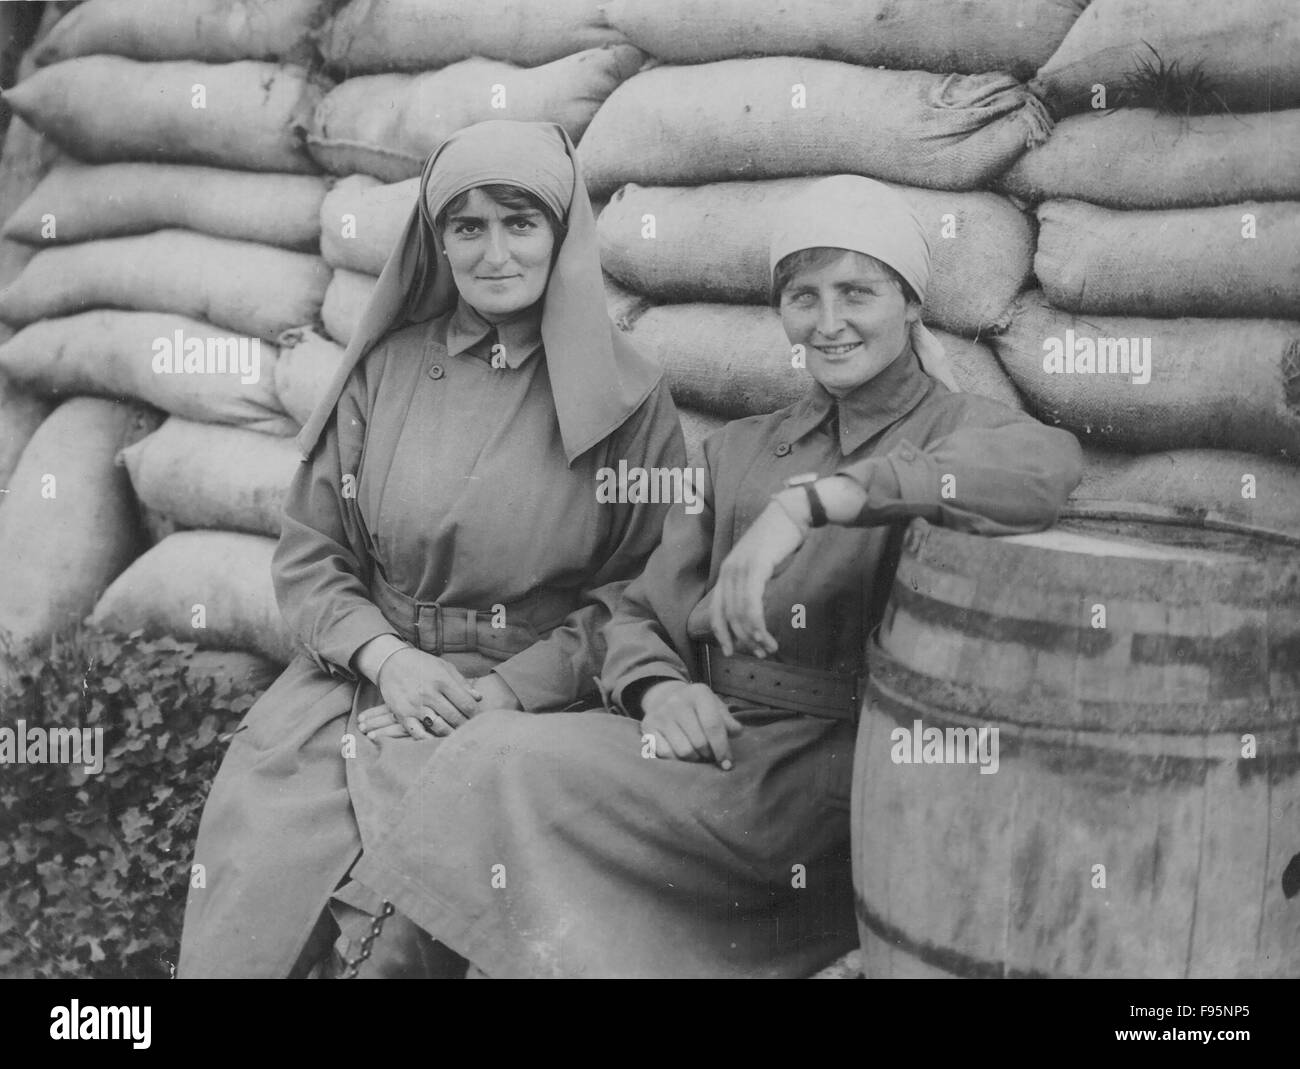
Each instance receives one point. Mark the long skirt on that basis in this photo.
(301, 792)
(552, 845)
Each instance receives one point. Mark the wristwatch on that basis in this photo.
(815, 507)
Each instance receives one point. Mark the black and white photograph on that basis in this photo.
(651, 489)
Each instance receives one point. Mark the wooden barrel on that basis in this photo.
(1133, 805)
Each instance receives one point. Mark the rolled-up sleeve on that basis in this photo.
(320, 567)
(999, 472)
(566, 663)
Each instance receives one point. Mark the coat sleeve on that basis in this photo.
(321, 562)
(647, 634)
(566, 663)
(987, 469)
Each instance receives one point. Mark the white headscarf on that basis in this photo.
(859, 214)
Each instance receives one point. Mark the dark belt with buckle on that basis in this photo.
(780, 686)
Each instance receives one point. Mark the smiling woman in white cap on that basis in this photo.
(443, 549)
(729, 856)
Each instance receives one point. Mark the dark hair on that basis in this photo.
(821, 256)
(508, 197)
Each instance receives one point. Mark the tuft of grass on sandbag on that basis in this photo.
(1169, 88)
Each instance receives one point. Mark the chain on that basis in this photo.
(351, 966)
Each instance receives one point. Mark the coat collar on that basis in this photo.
(521, 333)
(874, 406)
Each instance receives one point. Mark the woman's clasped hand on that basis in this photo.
(426, 697)
(689, 722)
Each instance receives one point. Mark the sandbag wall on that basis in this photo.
(1116, 240)
(172, 242)
(235, 174)
(170, 267)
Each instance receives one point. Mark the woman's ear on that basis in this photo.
(913, 313)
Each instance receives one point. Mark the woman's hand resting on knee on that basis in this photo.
(427, 697)
(689, 722)
(424, 697)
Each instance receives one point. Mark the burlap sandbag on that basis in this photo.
(623, 305)
(709, 243)
(1249, 54)
(217, 31)
(206, 475)
(361, 220)
(113, 354)
(1140, 159)
(739, 119)
(345, 300)
(106, 108)
(734, 360)
(1243, 487)
(1214, 383)
(70, 525)
(304, 370)
(994, 35)
(220, 579)
(243, 286)
(26, 156)
(387, 124)
(1238, 260)
(369, 36)
(21, 412)
(81, 202)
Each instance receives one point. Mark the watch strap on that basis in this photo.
(815, 507)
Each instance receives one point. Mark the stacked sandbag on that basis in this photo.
(244, 286)
(215, 31)
(1141, 158)
(70, 524)
(209, 587)
(1235, 260)
(306, 366)
(361, 219)
(183, 366)
(779, 116)
(1215, 483)
(345, 300)
(1247, 56)
(372, 36)
(1146, 384)
(387, 124)
(995, 35)
(248, 114)
(206, 475)
(81, 202)
(25, 158)
(21, 412)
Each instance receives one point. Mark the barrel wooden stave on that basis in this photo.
(1104, 759)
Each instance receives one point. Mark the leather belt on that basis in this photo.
(782, 686)
(440, 629)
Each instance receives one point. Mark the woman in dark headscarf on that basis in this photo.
(740, 650)
(443, 549)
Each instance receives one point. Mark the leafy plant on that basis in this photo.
(94, 868)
